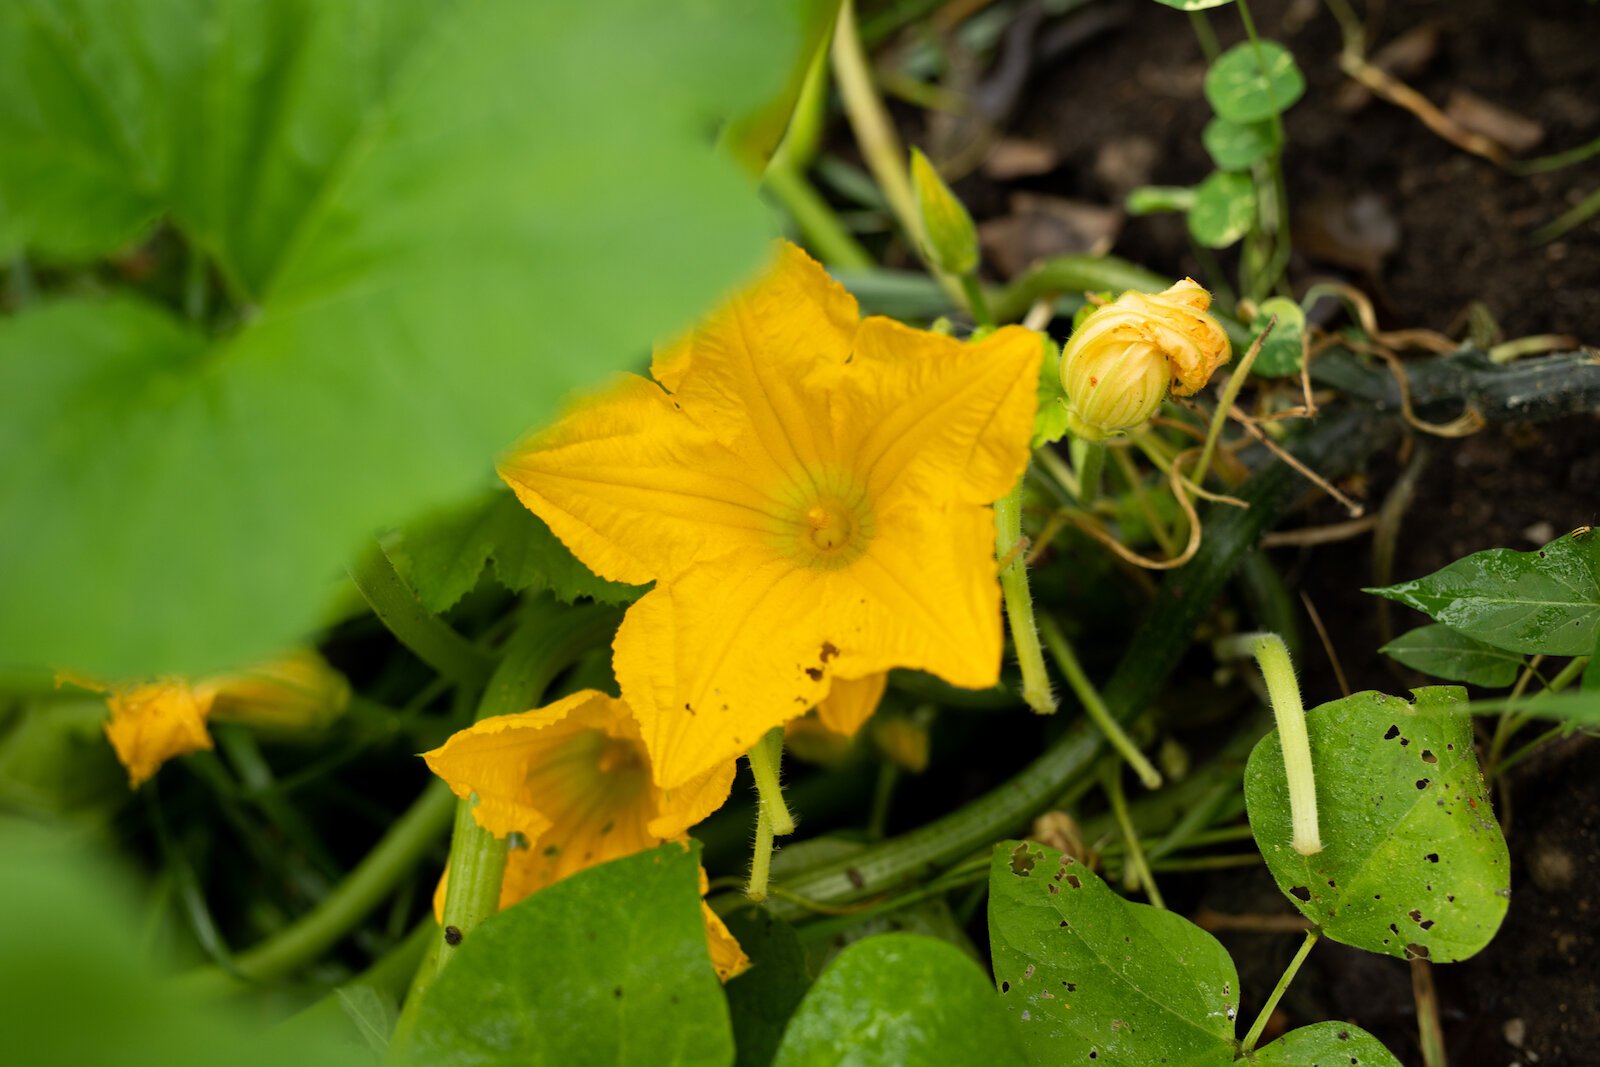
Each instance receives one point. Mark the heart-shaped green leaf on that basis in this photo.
(434, 221)
(607, 966)
(1086, 975)
(1541, 602)
(1224, 209)
(1413, 862)
(1442, 652)
(897, 999)
(1254, 81)
(1238, 145)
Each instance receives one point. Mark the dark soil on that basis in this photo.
(1127, 109)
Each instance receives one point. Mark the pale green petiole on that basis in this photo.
(1272, 655)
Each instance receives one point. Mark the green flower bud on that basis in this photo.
(952, 238)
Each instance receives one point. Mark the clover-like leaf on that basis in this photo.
(1224, 209)
(1239, 145)
(1413, 862)
(898, 999)
(1284, 348)
(1335, 1044)
(1442, 652)
(433, 221)
(1254, 81)
(1542, 602)
(1086, 975)
(607, 966)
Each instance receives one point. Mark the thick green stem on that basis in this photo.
(362, 890)
(760, 858)
(1067, 660)
(1283, 689)
(1019, 602)
(433, 642)
(766, 759)
(1260, 1024)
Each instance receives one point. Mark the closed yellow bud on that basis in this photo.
(952, 238)
(297, 694)
(1126, 357)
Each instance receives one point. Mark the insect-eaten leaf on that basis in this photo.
(1088, 977)
(1251, 82)
(1224, 209)
(445, 553)
(1542, 602)
(1442, 652)
(898, 999)
(607, 966)
(1413, 862)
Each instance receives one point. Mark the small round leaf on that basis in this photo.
(1224, 209)
(1251, 82)
(1280, 355)
(1239, 145)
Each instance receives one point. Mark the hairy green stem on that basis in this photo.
(766, 760)
(760, 857)
(1009, 548)
(1283, 689)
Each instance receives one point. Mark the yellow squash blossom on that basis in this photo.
(152, 722)
(1121, 363)
(573, 780)
(810, 493)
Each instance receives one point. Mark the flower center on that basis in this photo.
(831, 525)
(827, 523)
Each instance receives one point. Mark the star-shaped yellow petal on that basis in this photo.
(156, 721)
(573, 779)
(810, 493)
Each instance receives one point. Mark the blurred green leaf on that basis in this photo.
(55, 760)
(1238, 145)
(438, 229)
(1050, 416)
(1438, 650)
(1334, 1043)
(1280, 356)
(445, 552)
(609, 966)
(1224, 209)
(1541, 602)
(1413, 863)
(899, 999)
(762, 1000)
(1086, 975)
(75, 988)
(1250, 82)
(1154, 199)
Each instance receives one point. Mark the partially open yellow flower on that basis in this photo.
(572, 780)
(1121, 363)
(810, 493)
(152, 722)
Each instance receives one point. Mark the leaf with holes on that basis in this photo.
(898, 999)
(1542, 602)
(1442, 652)
(1086, 975)
(1249, 82)
(1224, 209)
(1413, 862)
(426, 243)
(1283, 349)
(445, 552)
(1239, 145)
(1334, 1044)
(607, 966)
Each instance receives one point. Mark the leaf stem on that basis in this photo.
(1135, 858)
(766, 760)
(1289, 972)
(1019, 602)
(1067, 660)
(761, 857)
(1230, 393)
(977, 303)
(425, 634)
(1272, 655)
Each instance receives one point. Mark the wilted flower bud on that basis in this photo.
(1125, 358)
(952, 239)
